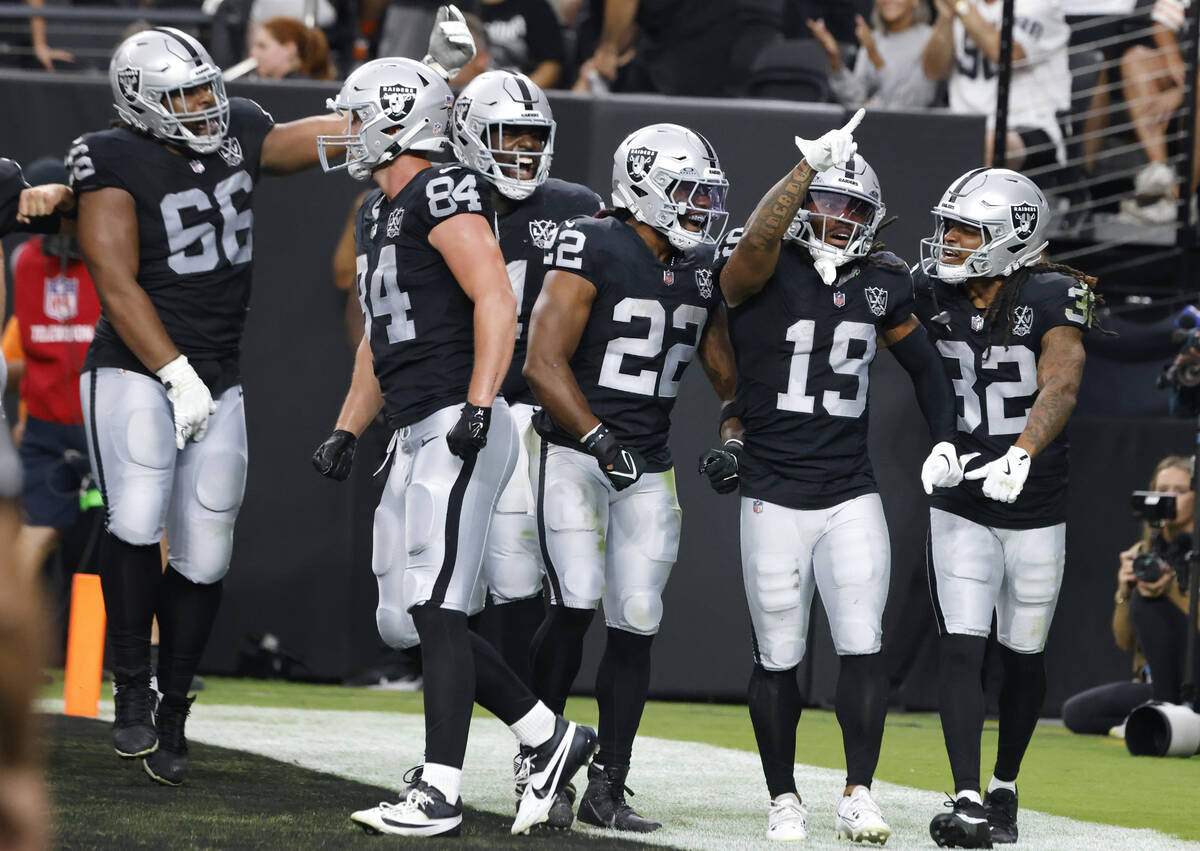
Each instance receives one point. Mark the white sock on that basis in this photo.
(996, 783)
(445, 779)
(969, 794)
(535, 727)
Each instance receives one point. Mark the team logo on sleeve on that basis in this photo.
(639, 162)
(1024, 219)
(231, 151)
(60, 300)
(1022, 320)
(877, 300)
(704, 282)
(393, 222)
(397, 100)
(542, 232)
(129, 81)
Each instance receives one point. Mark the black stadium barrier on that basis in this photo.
(301, 563)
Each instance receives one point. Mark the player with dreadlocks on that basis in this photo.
(1010, 328)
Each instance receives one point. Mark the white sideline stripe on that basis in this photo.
(706, 797)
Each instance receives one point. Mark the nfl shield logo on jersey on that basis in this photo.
(704, 282)
(129, 80)
(877, 300)
(393, 222)
(839, 299)
(976, 322)
(1023, 321)
(639, 162)
(397, 100)
(231, 152)
(668, 277)
(542, 232)
(758, 506)
(60, 301)
(1024, 219)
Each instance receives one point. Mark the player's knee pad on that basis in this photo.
(137, 518)
(641, 611)
(780, 652)
(856, 637)
(511, 562)
(221, 481)
(396, 627)
(422, 532)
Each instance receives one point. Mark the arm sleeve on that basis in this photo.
(934, 393)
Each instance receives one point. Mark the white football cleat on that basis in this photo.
(422, 812)
(787, 820)
(859, 820)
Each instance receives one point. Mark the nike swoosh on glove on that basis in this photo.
(469, 434)
(451, 45)
(622, 466)
(836, 146)
(335, 457)
(941, 469)
(191, 403)
(1003, 478)
(722, 465)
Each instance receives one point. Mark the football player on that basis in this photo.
(627, 301)
(811, 297)
(1010, 328)
(166, 227)
(441, 326)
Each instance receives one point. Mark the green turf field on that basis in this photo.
(1086, 778)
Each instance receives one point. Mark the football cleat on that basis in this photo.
(133, 727)
(603, 803)
(787, 819)
(549, 768)
(859, 819)
(169, 764)
(1001, 808)
(965, 827)
(562, 812)
(423, 812)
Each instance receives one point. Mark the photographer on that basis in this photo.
(1149, 613)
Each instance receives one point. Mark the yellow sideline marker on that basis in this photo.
(85, 647)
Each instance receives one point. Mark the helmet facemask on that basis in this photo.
(202, 130)
(835, 226)
(699, 215)
(976, 262)
(516, 172)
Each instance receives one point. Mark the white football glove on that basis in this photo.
(1003, 478)
(836, 146)
(190, 400)
(451, 45)
(941, 469)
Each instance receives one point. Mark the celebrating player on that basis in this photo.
(811, 296)
(441, 325)
(629, 298)
(1010, 331)
(166, 224)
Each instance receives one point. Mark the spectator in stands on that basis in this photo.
(286, 49)
(525, 36)
(1149, 618)
(42, 51)
(887, 70)
(964, 47)
(403, 25)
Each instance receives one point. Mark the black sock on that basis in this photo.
(557, 652)
(622, 682)
(960, 703)
(129, 576)
(449, 682)
(1022, 693)
(775, 706)
(518, 621)
(498, 689)
(861, 702)
(186, 611)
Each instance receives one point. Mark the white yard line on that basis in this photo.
(707, 797)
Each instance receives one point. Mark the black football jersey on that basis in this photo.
(804, 351)
(12, 181)
(196, 236)
(996, 385)
(526, 233)
(646, 322)
(422, 324)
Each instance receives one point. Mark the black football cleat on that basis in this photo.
(133, 727)
(965, 827)
(423, 811)
(169, 764)
(603, 803)
(1001, 807)
(549, 768)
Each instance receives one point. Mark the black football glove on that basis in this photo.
(622, 466)
(469, 434)
(335, 456)
(721, 466)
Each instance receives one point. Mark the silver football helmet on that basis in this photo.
(398, 105)
(1011, 213)
(497, 105)
(152, 73)
(669, 177)
(844, 203)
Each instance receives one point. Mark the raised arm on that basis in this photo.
(937, 59)
(559, 317)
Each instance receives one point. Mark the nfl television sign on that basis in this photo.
(61, 298)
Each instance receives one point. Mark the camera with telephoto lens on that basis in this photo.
(1157, 508)
(1185, 372)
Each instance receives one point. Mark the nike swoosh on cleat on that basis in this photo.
(541, 788)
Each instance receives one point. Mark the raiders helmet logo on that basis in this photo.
(542, 232)
(877, 300)
(129, 81)
(1022, 320)
(1024, 219)
(639, 162)
(393, 222)
(704, 282)
(231, 152)
(397, 101)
